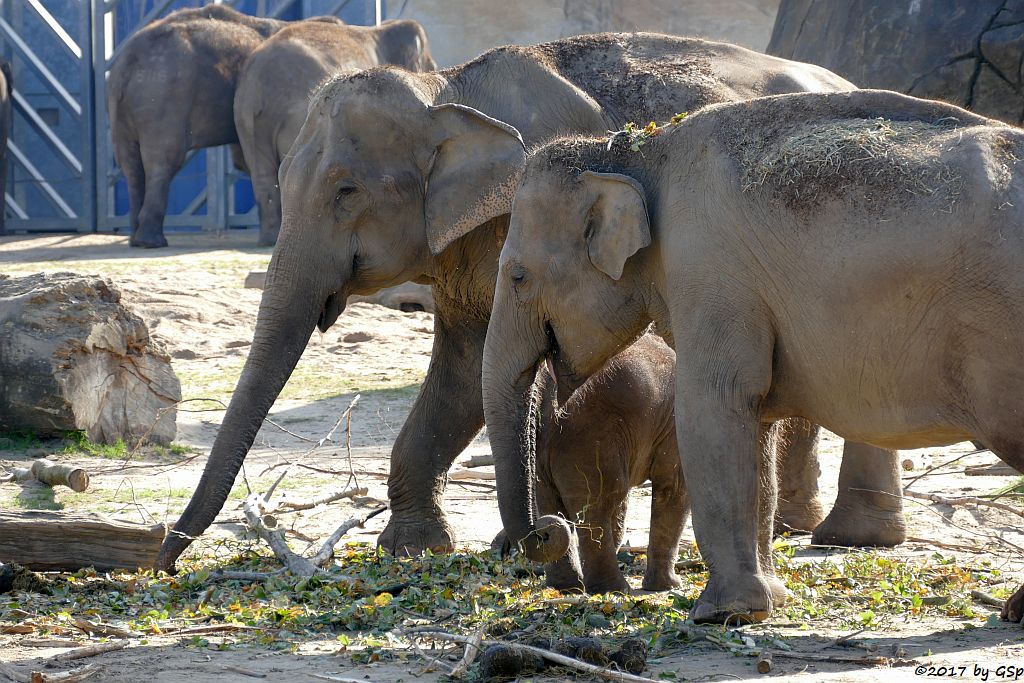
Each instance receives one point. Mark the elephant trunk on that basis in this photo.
(293, 301)
(512, 351)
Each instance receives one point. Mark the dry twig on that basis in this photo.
(93, 650)
(472, 650)
(964, 501)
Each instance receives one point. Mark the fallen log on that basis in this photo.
(51, 474)
(52, 541)
(74, 357)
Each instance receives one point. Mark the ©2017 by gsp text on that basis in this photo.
(981, 672)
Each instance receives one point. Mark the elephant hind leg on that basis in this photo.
(799, 509)
(869, 508)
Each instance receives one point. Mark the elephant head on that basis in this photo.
(370, 193)
(568, 291)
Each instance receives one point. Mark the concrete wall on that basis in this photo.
(459, 30)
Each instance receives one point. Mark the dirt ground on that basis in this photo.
(192, 297)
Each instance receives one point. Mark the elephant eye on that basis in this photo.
(344, 192)
(517, 274)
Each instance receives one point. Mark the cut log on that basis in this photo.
(63, 541)
(51, 474)
(406, 297)
(73, 357)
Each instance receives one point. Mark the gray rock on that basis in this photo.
(966, 53)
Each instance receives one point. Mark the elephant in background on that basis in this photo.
(277, 79)
(382, 182)
(6, 89)
(911, 228)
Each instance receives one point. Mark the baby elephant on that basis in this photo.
(613, 433)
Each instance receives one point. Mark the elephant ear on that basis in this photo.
(619, 225)
(473, 174)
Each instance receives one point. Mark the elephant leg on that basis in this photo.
(799, 507)
(718, 394)
(767, 498)
(869, 508)
(160, 165)
(566, 573)
(446, 416)
(600, 534)
(669, 509)
(268, 198)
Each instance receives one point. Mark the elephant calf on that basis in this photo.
(855, 259)
(612, 434)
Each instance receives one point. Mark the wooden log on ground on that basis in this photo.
(51, 474)
(52, 541)
(73, 357)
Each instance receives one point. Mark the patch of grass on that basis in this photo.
(1016, 487)
(18, 440)
(172, 449)
(36, 496)
(78, 442)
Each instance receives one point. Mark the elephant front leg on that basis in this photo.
(800, 507)
(719, 391)
(446, 416)
(869, 507)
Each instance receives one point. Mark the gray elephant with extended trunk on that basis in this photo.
(6, 89)
(278, 77)
(906, 219)
(383, 180)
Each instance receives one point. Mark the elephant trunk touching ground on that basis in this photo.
(292, 305)
(508, 383)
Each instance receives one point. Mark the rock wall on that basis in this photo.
(966, 53)
(459, 31)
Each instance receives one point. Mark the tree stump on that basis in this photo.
(64, 541)
(73, 357)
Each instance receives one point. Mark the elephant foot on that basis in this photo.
(661, 581)
(406, 538)
(736, 599)
(267, 239)
(798, 516)
(609, 585)
(1013, 610)
(780, 594)
(147, 242)
(861, 525)
(563, 576)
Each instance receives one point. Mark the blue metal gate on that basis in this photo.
(62, 171)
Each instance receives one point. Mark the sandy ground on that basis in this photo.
(192, 297)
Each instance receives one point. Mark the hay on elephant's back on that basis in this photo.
(877, 161)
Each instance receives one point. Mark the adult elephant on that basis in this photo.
(895, 212)
(6, 89)
(278, 77)
(170, 90)
(387, 173)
